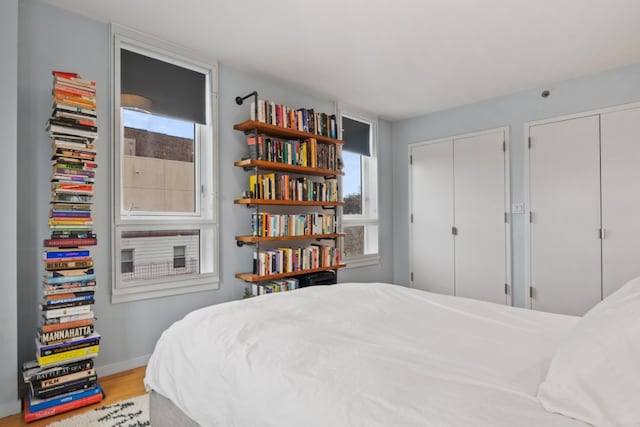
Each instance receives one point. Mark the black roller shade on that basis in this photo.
(356, 136)
(174, 91)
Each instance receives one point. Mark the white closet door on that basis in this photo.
(480, 243)
(565, 202)
(620, 198)
(432, 209)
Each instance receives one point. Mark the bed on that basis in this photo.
(374, 354)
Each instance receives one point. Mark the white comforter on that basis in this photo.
(359, 355)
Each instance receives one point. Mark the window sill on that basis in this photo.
(138, 293)
(363, 261)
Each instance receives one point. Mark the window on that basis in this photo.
(179, 260)
(164, 161)
(126, 261)
(360, 191)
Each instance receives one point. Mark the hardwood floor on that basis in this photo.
(122, 385)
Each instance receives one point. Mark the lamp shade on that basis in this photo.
(136, 102)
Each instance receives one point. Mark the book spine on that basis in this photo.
(67, 347)
(67, 355)
(67, 325)
(68, 265)
(65, 306)
(67, 318)
(65, 379)
(65, 254)
(57, 371)
(64, 334)
(59, 409)
(67, 311)
(65, 279)
(58, 301)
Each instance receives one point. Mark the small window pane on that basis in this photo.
(352, 183)
(360, 240)
(157, 254)
(126, 261)
(179, 260)
(159, 172)
(354, 241)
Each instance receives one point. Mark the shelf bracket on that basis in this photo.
(240, 243)
(240, 100)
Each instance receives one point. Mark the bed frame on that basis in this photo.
(163, 413)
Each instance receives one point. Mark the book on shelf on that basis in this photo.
(289, 260)
(68, 87)
(274, 186)
(301, 119)
(31, 371)
(68, 265)
(61, 380)
(72, 235)
(36, 404)
(76, 343)
(51, 254)
(70, 242)
(54, 301)
(71, 77)
(67, 356)
(43, 329)
(73, 286)
(273, 286)
(30, 415)
(59, 320)
(68, 311)
(57, 280)
(56, 390)
(76, 124)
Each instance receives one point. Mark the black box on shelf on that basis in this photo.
(320, 278)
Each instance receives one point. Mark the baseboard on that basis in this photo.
(125, 365)
(10, 408)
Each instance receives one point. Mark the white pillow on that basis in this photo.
(595, 374)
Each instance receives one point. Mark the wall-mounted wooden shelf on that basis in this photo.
(282, 167)
(286, 202)
(252, 278)
(280, 132)
(257, 239)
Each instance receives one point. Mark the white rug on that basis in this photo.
(125, 413)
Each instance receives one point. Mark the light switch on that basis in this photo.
(517, 208)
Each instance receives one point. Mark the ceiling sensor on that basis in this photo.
(545, 93)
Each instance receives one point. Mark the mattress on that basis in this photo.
(359, 354)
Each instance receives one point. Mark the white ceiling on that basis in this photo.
(394, 58)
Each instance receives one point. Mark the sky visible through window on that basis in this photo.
(150, 122)
(351, 182)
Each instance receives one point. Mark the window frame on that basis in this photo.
(369, 188)
(205, 215)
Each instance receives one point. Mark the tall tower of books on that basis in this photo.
(62, 376)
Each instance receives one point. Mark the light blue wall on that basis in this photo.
(619, 86)
(130, 330)
(8, 136)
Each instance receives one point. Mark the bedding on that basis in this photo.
(359, 354)
(595, 374)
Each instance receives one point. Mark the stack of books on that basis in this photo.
(62, 377)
